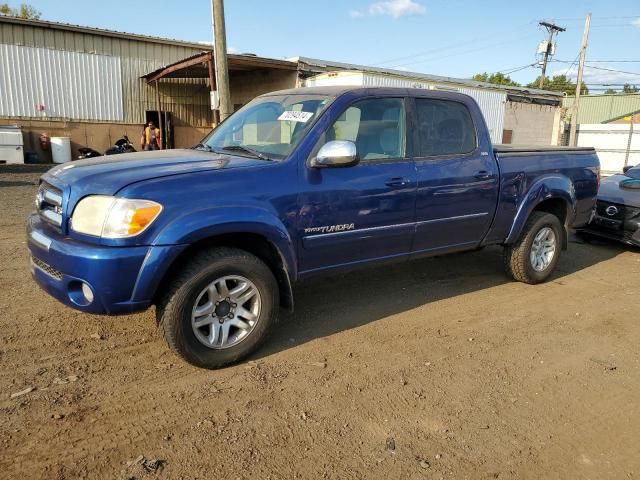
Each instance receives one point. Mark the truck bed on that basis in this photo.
(531, 149)
(566, 169)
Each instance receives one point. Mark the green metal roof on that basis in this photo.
(604, 108)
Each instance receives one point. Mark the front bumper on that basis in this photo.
(121, 279)
(623, 226)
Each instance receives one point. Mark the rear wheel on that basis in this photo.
(219, 308)
(535, 254)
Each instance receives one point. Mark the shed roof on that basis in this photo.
(320, 66)
(195, 66)
(99, 31)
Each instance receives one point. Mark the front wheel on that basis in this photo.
(219, 308)
(535, 254)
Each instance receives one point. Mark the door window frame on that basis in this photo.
(415, 137)
(408, 126)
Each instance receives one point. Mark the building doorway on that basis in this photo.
(167, 126)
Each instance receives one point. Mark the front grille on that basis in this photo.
(609, 210)
(49, 204)
(46, 268)
(616, 219)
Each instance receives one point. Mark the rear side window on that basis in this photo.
(376, 126)
(444, 128)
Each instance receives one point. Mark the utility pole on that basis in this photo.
(220, 52)
(576, 101)
(552, 29)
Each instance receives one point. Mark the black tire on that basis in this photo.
(517, 256)
(174, 309)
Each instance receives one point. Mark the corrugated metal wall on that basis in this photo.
(33, 78)
(602, 108)
(491, 102)
(492, 105)
(187, 99)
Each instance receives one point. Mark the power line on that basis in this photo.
(446, 47)
(603, 68)
(613, 61)
(455, 54)
(597, 18)
(573, 64)
(509, 71)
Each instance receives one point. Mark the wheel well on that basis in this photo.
(250, 242)
(559, 208)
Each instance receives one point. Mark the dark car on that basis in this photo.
(618, 208)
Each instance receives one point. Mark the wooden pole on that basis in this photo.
(159, 109)
(212, 84)
(220, 49)
(574, 110)
(629, 141)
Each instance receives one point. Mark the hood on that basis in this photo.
(106, 175)
(610, 191)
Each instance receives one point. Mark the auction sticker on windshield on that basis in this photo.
(293, 116)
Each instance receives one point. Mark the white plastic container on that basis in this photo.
(11, 145)
(61, 149)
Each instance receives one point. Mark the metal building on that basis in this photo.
(608, 123)
(513, 115)
(605, 108)
(96, 85)
(92, 84)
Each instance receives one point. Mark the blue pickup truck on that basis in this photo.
(295, 184)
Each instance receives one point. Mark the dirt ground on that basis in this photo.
(443, 368)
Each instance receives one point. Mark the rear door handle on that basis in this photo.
(397, 182)
(482, 174)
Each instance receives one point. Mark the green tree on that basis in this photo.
(630, 88)
(559, 83)
(610, 91)
(495, 78)
(23, 11)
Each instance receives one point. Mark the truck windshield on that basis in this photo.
(268, 127)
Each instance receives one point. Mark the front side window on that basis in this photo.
(444, 128)
(270, 126)
(376, 126)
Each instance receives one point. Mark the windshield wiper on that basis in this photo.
(203, 146)
(249, 150)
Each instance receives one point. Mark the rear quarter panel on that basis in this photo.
(527, 179)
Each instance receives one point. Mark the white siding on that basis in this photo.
(377, 80)
(70, 85)
(611, 142)
(328, 80)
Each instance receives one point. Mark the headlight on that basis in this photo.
(111, 217)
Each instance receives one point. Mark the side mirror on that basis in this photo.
(627, 168)
(337, 153)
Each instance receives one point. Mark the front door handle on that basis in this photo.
(482, 175)
(397, 182)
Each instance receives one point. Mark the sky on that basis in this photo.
(456, 38)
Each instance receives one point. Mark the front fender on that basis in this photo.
(545, 188)
(199, 225)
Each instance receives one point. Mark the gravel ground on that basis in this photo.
(442, 368)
